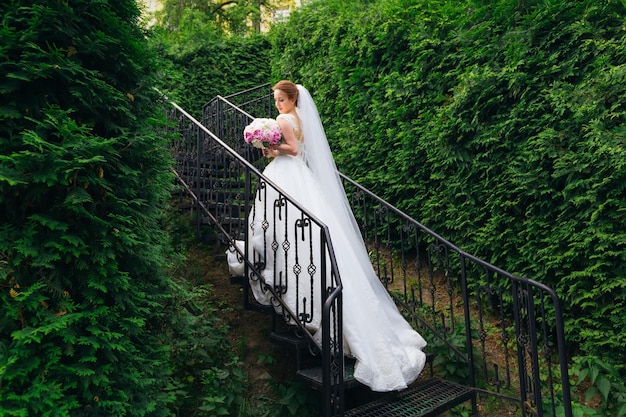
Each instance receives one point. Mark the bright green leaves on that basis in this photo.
(193, 76)
(498, 124)
(84, 182)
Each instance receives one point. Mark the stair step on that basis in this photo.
(290, 339)
(225, 221)
(313, 376)
(261, 308)
(427, 399)
(238, 280)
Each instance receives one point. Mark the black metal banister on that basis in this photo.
(491, 269)
(200, 182)
(241, 159)
(199, 125)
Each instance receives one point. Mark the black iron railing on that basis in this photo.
(227, 189)
(500, 333)
(496, 332)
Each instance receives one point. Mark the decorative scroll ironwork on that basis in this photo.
(501, 334)
(297, 268)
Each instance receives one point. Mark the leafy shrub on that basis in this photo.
(207, 377)
(498, 124)
(295, 399)
(84, 177)
(597, 380)
(193, 75)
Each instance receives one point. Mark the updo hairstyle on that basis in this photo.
(289, 88)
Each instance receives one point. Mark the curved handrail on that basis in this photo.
(558, 310)
(331, 289)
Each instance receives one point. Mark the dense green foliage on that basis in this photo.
(83, 179)
(199, 61)
(499, 124)
(194, 71)
(207, 378)
(91, 322)
(224, 17)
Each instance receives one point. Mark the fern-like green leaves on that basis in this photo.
(498, 124)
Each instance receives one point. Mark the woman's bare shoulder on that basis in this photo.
(287, 116)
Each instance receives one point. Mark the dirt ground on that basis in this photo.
(249, 333)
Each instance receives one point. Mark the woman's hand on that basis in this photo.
(270, 151)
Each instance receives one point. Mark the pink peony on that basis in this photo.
(262, 132)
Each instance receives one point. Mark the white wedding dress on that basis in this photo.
(388, 351)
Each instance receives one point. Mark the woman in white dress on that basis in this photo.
(388, 351)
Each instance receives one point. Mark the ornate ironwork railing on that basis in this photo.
(498, 333)
(227, 187)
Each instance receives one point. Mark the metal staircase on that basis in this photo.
(495, 340)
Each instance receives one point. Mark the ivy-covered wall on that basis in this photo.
(499, 124)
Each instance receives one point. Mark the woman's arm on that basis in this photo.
(289, 147)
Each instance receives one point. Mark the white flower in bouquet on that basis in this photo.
(262, 133)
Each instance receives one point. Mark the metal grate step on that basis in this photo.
(428, 399)
(289, 338)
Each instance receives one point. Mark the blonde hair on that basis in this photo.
(289, 88)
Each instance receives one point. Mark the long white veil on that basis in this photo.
(319, 158)
(387, 348)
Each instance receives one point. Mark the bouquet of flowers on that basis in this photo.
(262, 133)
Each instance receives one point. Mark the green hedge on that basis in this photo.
(84, 179)
(499, 124)
(219, 66)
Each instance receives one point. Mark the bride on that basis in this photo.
(388, 351)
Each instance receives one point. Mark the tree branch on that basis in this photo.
(220, 6)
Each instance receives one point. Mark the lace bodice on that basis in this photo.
(297, 130)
